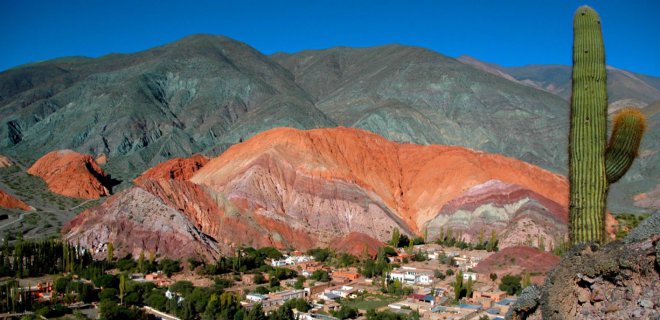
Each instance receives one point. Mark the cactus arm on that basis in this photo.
(629, 126)
(587, 137)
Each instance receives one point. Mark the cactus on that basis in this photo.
(629, 126)
(589, 170)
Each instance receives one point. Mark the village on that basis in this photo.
(424, 281)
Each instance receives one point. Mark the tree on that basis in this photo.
(395, 238)
(468, 288)
(492, 243)
(493, 276)
(320, 275)
(259, 278)
(346, 312)
(122, 288)
(526, 280)
(458, 285)
(111, 252)
(511, 284)
(300, 283)
(256, 313)
(169, 266)
(141, 267)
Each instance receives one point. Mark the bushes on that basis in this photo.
(169, 267)
(511, 284)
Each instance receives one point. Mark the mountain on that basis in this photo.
(199, 93)
(292, 188)
(412, 94)
(623, 86)
(204, 93)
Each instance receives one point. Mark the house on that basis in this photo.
(278, 263)
(470, 275)
(411, 275)
(312, 316)
(276, 298)
(343, 291)
(348, 275)
(159, 279)
(422, 298)
(328, 296)
(488, 292)
(317, 288)
(255, 297)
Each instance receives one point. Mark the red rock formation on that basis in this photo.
(71, 174)
(340, 180)
(136, 221)
(518, 259)
(517, 214)
(339, 188)
(175, 169)
(5, 162)
(10, 202)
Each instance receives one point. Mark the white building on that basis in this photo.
(290, 260)
(469, 275)
(411, 275)
(255, 297)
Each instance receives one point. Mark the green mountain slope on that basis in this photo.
(199, 93)
(416, 95)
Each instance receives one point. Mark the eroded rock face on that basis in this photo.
(136, 221)
(71, 174)
(342, 180)
(10, 202)
(174, 169)
(518, 214)
(343, 188)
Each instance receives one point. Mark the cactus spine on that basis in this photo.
(588, 173)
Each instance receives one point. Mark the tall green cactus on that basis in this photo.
(588, 166)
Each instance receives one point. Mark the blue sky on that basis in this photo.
(510, 33)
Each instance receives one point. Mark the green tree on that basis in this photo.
(122, 287)
(111, 252)
(511, 284)
(321, 275)
(458, 285)
(256, 313)
(526, 280)
(169, 267)
(395, 237)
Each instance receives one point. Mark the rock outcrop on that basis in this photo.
(174, 169)
(518, 259)
(72, 174)
(136, 221)
(10, 202)
(337, 187)
(615, 281)
(5, 162)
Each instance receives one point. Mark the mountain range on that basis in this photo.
(203, 94)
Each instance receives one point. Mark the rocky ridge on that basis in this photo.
(292, 188)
